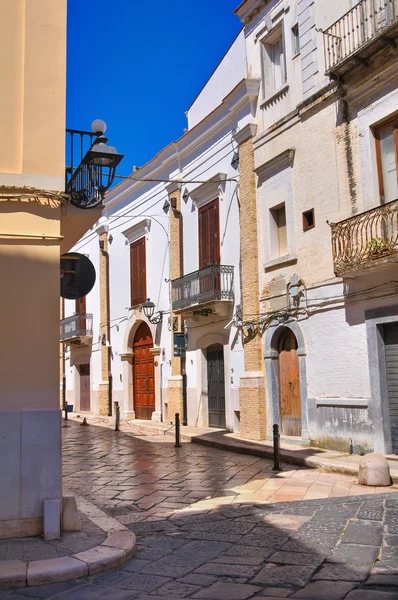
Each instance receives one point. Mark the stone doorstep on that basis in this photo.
(119, 546)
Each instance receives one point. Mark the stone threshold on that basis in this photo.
(118, 547)
(304, 456)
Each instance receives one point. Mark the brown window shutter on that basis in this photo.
(203, 237)
(282, 231)
(138, 272)
(142, 271)
(209, 234)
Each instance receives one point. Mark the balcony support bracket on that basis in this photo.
(361, 61)
(386, 41)
(203, 313)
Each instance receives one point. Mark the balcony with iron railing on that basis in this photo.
(366, 240)
(359, 34)
(76, 327)
(208, 290)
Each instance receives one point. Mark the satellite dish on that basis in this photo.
(77, 276)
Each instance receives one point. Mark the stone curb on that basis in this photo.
(119, 546)
(287, 456)
(246, 447)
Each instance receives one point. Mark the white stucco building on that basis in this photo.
(305, 272)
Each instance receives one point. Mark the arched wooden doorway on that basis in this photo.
(143, 374)
(289, 384)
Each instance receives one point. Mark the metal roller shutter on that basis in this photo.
(391, 349)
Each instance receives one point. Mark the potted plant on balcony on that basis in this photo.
(376, 247)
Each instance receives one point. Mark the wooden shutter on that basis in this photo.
(282, 231)
(80, 306)
(209, 234)
(138, 272)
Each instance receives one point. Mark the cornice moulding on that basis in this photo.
(244, 94)
(173, 187)
(137, 231)
(208, 191)
(247, 132)
(283, 160)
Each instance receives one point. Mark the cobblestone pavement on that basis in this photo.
(217, 525)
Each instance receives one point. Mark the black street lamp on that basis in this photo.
(149, 311)
(96, 171)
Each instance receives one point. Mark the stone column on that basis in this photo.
(103, 393)
(174, 394)
(252, 396)
(157, 414)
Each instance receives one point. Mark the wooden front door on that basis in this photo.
(143, 374)
(289, 385)
(84, 372)
(216, 386)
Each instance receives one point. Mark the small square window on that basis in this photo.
(296, 40)
(308, 219)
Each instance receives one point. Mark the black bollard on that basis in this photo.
(277, 466)
(66, 410)
(117, 416)
(177, 444)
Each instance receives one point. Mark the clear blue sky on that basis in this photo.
(139, 65)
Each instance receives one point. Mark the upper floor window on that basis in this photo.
(138, 272)
(296, 40)
(209, 235)
(277, 63)
(279, 232)
(274, 64)
(387, 160)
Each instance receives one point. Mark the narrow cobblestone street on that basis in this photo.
(216, 525)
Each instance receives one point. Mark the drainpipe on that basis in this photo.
(110, 393)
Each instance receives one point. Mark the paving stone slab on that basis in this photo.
(199, 579)
(275, 592)
(296, 558)
(363, 533)
(324, 524)
(177, 589)
(142, 582)
(95, 592)
(379, 580)
(222, 570)
(287, 575)
(386, 566)
(371, 511)
(343, 509)
(391, 540)
(241, 550)
(390, 553)
(174, 566)
(48, 591)
(230, 591)
(371, 595)
(239, 560)
(325, 590)
(354, 554)
(336, 572)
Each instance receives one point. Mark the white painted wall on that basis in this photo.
(228, 73)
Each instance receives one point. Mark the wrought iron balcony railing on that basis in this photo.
(365, 21)
(366, 239)
(215, 282)
(75, 327)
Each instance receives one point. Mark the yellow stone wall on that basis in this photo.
(253, 423)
